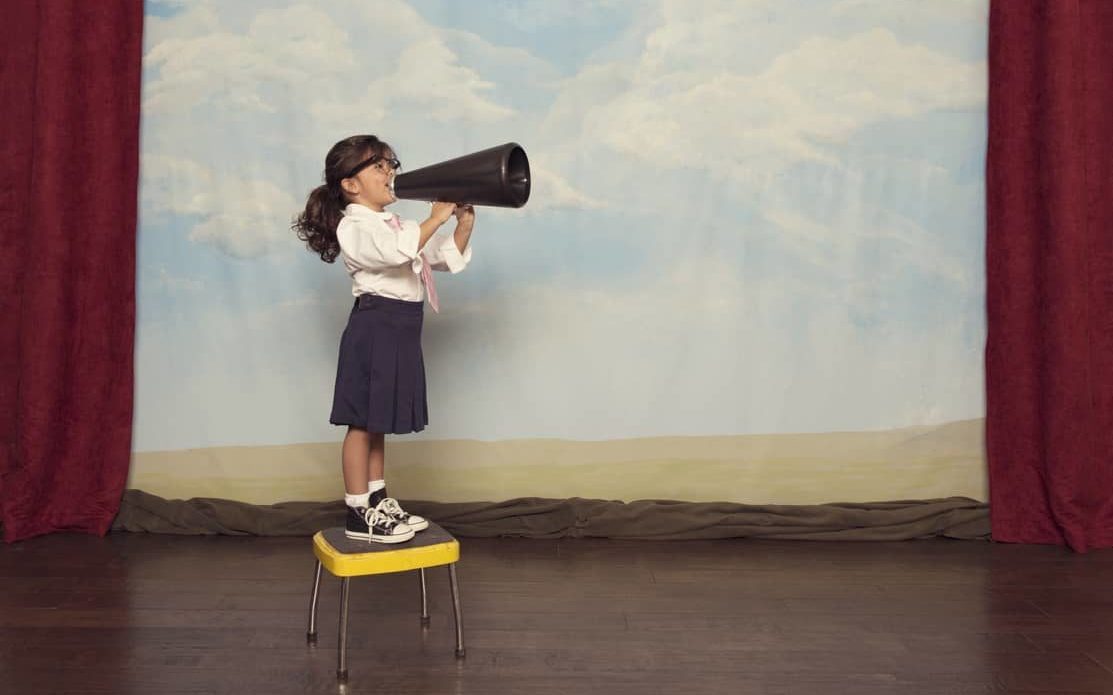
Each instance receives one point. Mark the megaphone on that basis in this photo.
(498, 176)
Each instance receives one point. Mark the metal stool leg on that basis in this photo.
(424, 601)
(456, 610)
(342, 651)
(311, 632)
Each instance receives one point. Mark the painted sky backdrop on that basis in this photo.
(748, 216)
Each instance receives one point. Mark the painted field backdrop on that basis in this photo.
(751, 268)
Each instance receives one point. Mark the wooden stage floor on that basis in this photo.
(151, 614)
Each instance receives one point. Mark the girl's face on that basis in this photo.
(373, 186)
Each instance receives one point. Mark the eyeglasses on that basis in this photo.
(385, 165)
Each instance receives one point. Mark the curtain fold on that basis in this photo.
(70, 179)
(1049, 255)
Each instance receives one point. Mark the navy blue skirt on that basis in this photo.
(380, 375)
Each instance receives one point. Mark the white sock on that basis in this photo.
(375, 486)
(357, 500)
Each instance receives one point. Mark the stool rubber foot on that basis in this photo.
(425, 621)
(311, 638)
(342, 676)
(461, 653)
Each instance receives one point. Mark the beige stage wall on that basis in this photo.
(906, 464)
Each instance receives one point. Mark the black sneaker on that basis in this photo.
(390, 507)
(376, 527)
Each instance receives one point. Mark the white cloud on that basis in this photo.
(812, 96)
(551, 191)
(870, 77)
(242, 216)
(189, 68)
(514, 65)
(252, 218)
(429, 75)
(833, 245)
(697, 101)
(302, 55)
(286, 50)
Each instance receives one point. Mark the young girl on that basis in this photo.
(380, 375)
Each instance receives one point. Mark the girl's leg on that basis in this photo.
(354, 455)
(360, 452)
(376, 457)
(376, 468)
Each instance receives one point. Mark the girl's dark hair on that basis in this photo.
(316, 225)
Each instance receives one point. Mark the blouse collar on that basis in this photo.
(357, 210)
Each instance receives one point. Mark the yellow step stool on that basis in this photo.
(347, 558)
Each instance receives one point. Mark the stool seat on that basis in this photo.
(346, 557)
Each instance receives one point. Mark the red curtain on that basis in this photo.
(70, 100)
(1049, 253)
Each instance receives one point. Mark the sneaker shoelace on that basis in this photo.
(376, 517)
(390, 506)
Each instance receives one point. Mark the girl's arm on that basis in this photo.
(453, 255)
(437, 216)
(465, 221)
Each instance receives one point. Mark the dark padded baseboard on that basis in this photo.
(532, 517)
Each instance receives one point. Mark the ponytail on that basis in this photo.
(316, 225)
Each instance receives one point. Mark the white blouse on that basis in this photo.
(385, 261)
